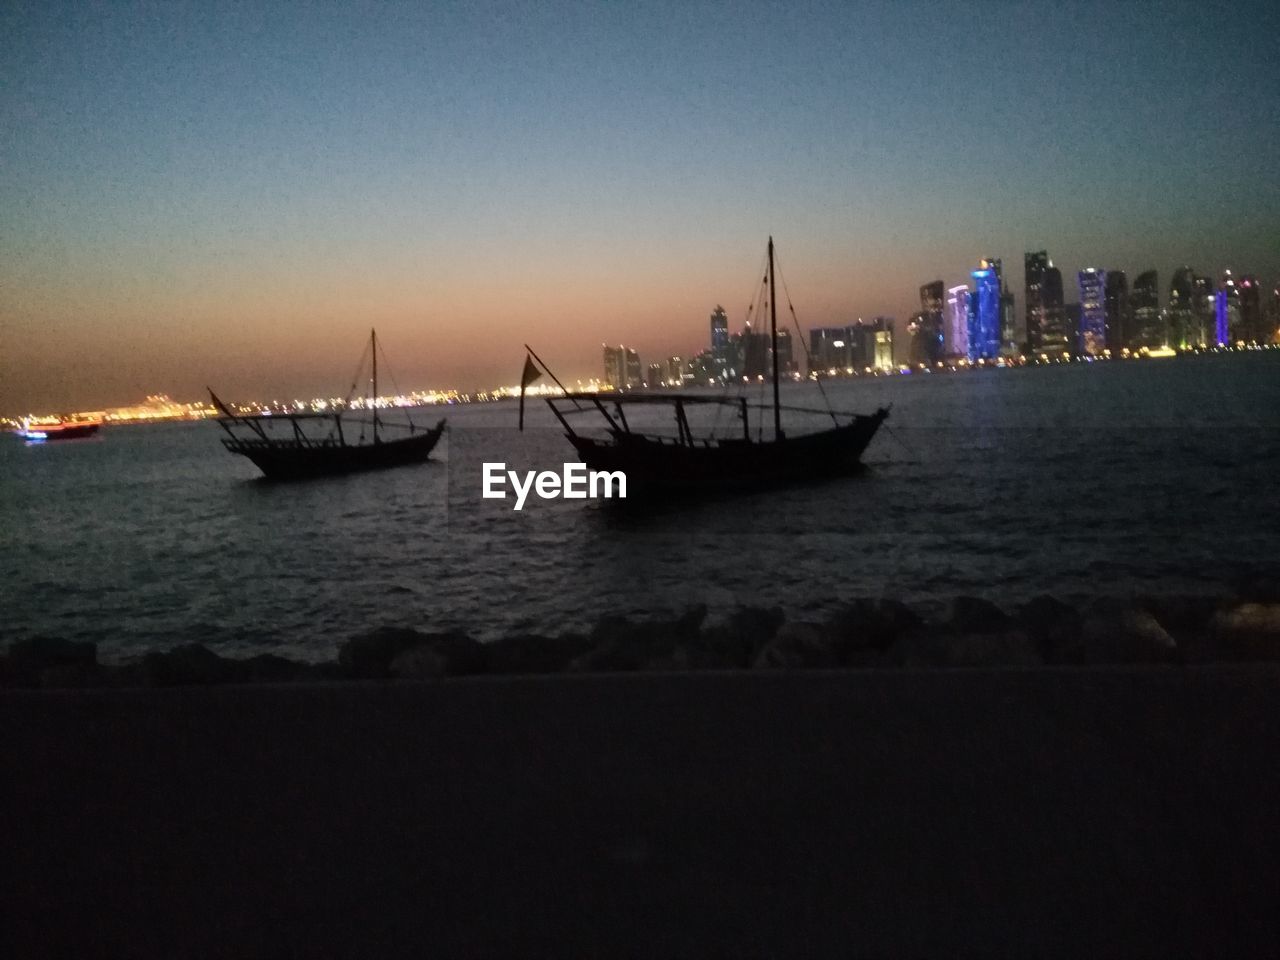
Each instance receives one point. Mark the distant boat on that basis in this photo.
(655, 463)
(40, 430)
(301, 455)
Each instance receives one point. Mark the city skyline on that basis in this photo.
(235, 195)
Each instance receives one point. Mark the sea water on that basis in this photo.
(1081, 480)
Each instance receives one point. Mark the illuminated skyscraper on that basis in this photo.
(1227, 328)
(957, 335)
(675, 371)
(880, 342)
(1093, 312)
(1118, 326)
(1272, 315)
(1148, 324)
(1184, 329)
(1057, 335)
(635, 377)
(1204, 306)
(614, 371)
(1252, 329)
(786, 357)
(719, 331)
(925, 328)
(1033, 303)
(985, 315)
(830, 350)
(755, 354)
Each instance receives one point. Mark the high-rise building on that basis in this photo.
(1252, 329)
(1057, 336)
(1227, 328)
(1117, 310)
(614, 367)
(755, 354)
(1204, 305)
(1033, 301)
(1184, 317)
(719, 330)
(675, 371)
(925, 328)
(830, 350)
(985, 316)
(1273, 316)
(956, 342)
(633, 369)
(1148, 324)
(1008, 325)
(1093, 312)
(622, 369)
(1072, 313)
(786, 357)
(880, 342)
(655, 376)
(722, 358)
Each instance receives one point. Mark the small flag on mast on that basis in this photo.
(218, 404)
(530, 374)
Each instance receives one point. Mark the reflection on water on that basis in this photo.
(1110, 478)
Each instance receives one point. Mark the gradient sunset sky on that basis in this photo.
(233, 193)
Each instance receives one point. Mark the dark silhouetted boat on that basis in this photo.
(303, 453)
(655, 463)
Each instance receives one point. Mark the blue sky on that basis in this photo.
(236, 192)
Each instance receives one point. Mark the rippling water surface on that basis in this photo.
(1153, 476)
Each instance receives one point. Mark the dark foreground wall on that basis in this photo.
(1117, 811)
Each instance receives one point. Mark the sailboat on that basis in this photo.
(303, 453)
(655, 463)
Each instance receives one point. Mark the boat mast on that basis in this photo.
(373, 339)
(773, 334)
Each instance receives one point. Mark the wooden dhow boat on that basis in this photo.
(303, 452)
(655, 463)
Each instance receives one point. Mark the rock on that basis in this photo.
(439, 655)
(619, 644)
(799, 645)
(923, 647)
(1011, 648)
(1258, 588)
(975, 615)
(370, 656)
(526, 653)
(1114, 634)
(29, 659)
(1055, 629)
(270, 668)
(1187, 620)
(737, 641)
(1247, 631)
(422, 662)
(191, 663)
(870, 625)
(72, 676)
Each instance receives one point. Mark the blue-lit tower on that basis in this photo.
(985, 313)
(1222, 326)
(1093, 312)
(719, 331)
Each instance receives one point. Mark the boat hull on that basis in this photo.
(293, 460)
(654, 465)
(60, 431)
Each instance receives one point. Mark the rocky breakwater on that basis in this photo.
(863, 633)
